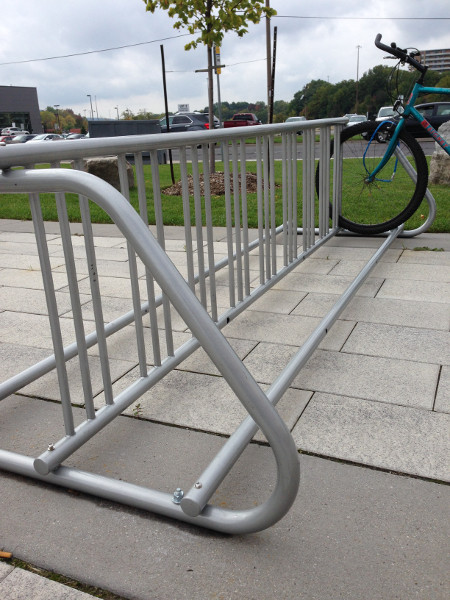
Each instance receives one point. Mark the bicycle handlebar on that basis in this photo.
(399, 53)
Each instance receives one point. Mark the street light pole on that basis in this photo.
(57, 116)
(92, 110)
(117, 108)
(357, 78)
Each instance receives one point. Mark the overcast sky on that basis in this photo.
(320, 45)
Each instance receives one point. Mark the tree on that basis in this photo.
(210, 20)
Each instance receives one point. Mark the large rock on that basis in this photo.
(440, 161)
(108, 170)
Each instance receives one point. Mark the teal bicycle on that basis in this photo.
(381, 189)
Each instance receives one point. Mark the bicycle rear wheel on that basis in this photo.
(393, 197)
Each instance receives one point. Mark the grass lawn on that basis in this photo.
(16, 206)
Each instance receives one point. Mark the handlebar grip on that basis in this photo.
(401, 54)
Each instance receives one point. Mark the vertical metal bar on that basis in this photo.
(76, 305)
(95, 293)
(237, 219)
(209, 234)
(290, 224)
(187, 218)
(149, 280)
(244, 217)
(272, 204)
(266, 207)
(337, 176)
(259, 199)
(229, 224)
(52, 308)
(294, 195)
(134, 280)
(198, 225)
(161, 241)
(285, 196)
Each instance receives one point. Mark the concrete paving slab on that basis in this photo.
(47, 386)
(26, 261)
(206, 404)
(79, 241)
(33, 301)
(425, 258)
(443, 392)
(327, 285)
(431, 291)
(346, 250)
(15, 358)
(290, 329)
(411, 343)
(406, 313)
(376, 434)
(372, 378)
(281, 302)
(118, 253)
(33, 330)
(352, 532)
(398, 271)
(5, 569)
(25, 278)
(20, 584)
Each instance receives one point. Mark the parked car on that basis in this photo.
(353, 119)
(12, 131)
(385, 112)
(242, 120)
(293, 119)
(436, 113)
(7, 139)
(23, 137)
(75, 136)
(186, 122)
(47, 137)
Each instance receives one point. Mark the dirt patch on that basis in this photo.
(216, 183)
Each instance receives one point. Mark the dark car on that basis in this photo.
(75, 136)
(436, 113)
(186, 122)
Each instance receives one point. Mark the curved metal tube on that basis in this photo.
(185, 302)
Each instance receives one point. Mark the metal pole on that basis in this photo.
(167, 109)
(268, 60)
(357, 78)
(272, 80)
(92, 110)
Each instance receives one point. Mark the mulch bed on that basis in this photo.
(216, 182)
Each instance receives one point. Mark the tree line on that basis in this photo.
(318, 99)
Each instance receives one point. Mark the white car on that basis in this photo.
(354, 119)
(385, 112)
(12, 131)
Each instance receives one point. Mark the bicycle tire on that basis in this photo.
(387, 202)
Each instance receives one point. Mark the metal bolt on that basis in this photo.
(50, 447)
(177, 496)
(198, 485)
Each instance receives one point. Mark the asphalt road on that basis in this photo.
(250, 150)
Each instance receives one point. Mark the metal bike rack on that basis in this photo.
(191, 298)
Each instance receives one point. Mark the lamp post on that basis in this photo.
(117, 108)
(92, 110)
(57, 116)
(357, 77)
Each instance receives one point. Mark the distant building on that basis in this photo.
(19, 106)
(437, 60)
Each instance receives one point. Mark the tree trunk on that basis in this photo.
(212, 162)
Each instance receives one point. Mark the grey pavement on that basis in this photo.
(370, 415)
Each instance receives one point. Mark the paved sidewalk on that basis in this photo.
(369, 414)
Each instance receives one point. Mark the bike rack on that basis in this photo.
(190, 298)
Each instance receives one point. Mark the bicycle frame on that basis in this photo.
(409, 109)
